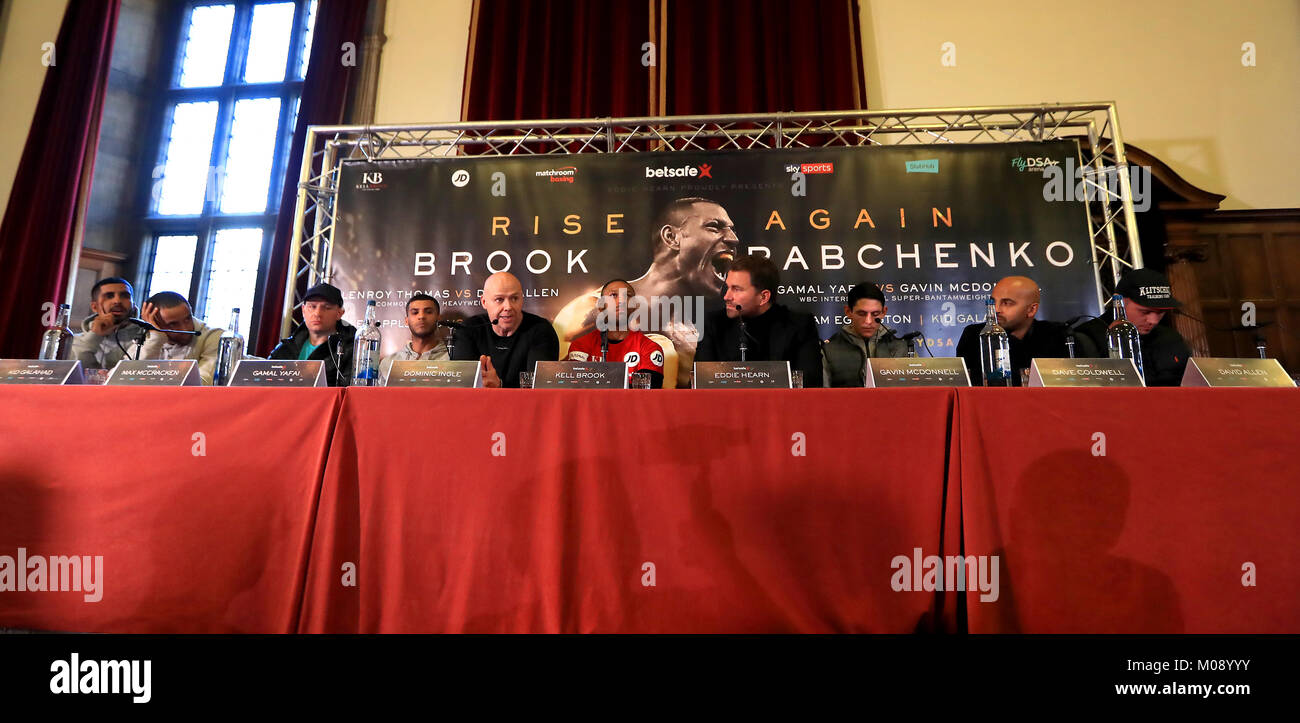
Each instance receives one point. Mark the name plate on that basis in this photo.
(579, 375)
(886, 373)
(37, 371)
(1217, 372)
(155, 373)
(430, 373)
(742, 375)
(272, 373)
(1093, 373)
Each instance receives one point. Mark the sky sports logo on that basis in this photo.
(703, 170)
(810, 169)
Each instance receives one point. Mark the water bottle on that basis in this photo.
(230, 349)
(995, 351)
(54, 344)
(365, 351)
(1122, 338)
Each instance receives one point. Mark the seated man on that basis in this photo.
(1147, 298)
(624, 343)
(422, 319)
(845, 354)
(170, 311)
(323, 336)
(506, 340)
(773, 332)
(107, 337)
(1016, 303)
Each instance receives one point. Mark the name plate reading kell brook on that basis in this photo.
(742, 375)
(887, 373)
(268, 373)
(428, 373)
(579, 375)
(1092, 373)
(1216, 372)
(37, 371)
(155, 373)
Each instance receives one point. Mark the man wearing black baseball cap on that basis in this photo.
(323, 335)
(1147, 298)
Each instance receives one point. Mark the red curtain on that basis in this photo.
(36, 235)
(324, 101)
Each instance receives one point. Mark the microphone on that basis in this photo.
(458, 325)
(151, 327)
(604, 345)
(743, 332)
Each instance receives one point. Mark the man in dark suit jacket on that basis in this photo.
(1015, 300)
(774, 333)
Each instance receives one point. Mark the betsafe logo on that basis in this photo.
(703, 170)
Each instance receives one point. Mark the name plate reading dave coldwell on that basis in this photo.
(269, 373)
(40, 371)
(887, 373)
(742, 375)
(1092, 373)
(1222, 372)
(155, 373)
(431, 373)
(579, 375)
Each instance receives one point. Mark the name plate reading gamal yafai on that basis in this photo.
(742, 375)
(1092, 373)
(155, 373)
(268, 373)
(38, 371)
(887, 372)
(1248, 372)
(433, 373)
(579, 375)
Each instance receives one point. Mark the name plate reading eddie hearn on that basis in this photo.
(430, 373)
(742, 375)
(579, 375)
(1216, 372)
(38, 371)
(268, 373)
(887, 373)
(155, 373)
(1092, 373)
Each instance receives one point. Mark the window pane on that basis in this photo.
(232, 276)
(189, 152)
(306, 42)
(252, 150)
(207, 40)
(268, 44)
(173, 265)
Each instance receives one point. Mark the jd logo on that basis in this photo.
(460, 178)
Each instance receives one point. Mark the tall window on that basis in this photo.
(231, 102)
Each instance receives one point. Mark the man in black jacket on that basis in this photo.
(1147, 298)
(506, 340)
(774, 333)
(322, 334)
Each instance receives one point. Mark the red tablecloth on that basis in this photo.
(1153, 535)
(595, 489)
(216, 542)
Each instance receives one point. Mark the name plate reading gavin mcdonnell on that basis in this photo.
(887, 372)
(38, 371)
(1219, 372)
(1092, 373)
(270, 373)
(579, 375)
(155, 373)
(430, 373)
(742, 375)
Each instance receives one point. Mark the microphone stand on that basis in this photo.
(604, 345)
(743, 333)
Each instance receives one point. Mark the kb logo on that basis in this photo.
(375, 177)
(460, 178)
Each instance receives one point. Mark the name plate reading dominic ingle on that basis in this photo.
(1093, 373)
(742, 375)
(1222, 372)
(38, 371)
(269, 373)
(431, 373)
(579, 375)
(155, 373)
(887, 373)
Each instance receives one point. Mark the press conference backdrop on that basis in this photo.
(935, 227)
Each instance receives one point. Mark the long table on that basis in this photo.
(386, 510)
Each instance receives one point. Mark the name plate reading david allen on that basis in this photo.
(430, 373)
(887, 373)
(579, 375)
(155, 373)
(1092, 373)
(39, 371)
(742, 375)
(1222, 372)
(268, 373)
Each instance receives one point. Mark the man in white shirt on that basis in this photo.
(171, 312)
(422, 319)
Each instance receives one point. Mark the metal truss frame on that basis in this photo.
(1108, 193)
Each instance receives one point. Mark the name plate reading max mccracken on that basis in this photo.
(742, 375)
(432, 373)
(155, 373)
(38, 371)
(268, 373)
(914, 372)
(1248, 372)
(1093, 373)
(579, 375)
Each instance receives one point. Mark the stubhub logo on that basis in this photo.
(704, 170)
